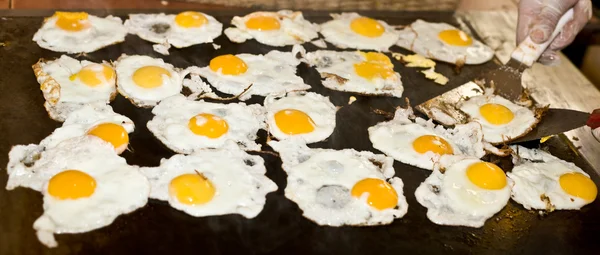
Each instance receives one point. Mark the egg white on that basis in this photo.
(451, 199)
(238, 178)
(338, 70)
(120, 188)
(422, 38)
(320, 181)
(101, 33)
(143, 25)
(273, 72)
(172, 115)
(536, 174)
(146, 97)
(64, 95)
(339, 33)
(294, 29)
(524, 118)
(395, 138)
(77, 124)
(317, 107)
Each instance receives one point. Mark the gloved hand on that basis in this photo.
(538, 18)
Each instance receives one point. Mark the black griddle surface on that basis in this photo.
(279, 228)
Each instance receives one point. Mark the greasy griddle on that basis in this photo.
(280, 227)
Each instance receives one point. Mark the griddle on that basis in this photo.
(279, 228)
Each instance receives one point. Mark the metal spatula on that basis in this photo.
(507, 78)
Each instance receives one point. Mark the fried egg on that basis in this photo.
(341, 187)
(272, 28)
(186, 126)
(97, 121)
(77, 32)
(300, 114)
(182, 30)
(271, 73)
(415, 141)
(366, 73)
(68, 84)
(544, 182)
(501, 120)
(212, 182)
(351, 30)
(444, 42)
(463, 191)
(145, 80)
(85, 185)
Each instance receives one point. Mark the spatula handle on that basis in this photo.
(528, 52)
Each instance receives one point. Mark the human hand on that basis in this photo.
(538, 18)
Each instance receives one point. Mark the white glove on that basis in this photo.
(538, 18)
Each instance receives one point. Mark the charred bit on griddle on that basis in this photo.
(383, 113)
(340, 80)
(459, 65)
(549, 206)
(201, 175)
(376, 163)
(226, 98)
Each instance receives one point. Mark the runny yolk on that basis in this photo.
(381, 194)
(367, 27)
(486, 175)
(228, 64)
(263, 23)
(72, 21)
(578, 185)
(206, 124)
(112, 133)
(71, 184)
(432, 143)
(192, 189)
(294, 122)
(190, 19)
(375, 65)
(150, 76)
(496, 114)
(455, 37)
(94, 74)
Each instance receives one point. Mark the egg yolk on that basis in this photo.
(381, 194)
(376, 65)
(432, 143)
(94, 74)
(496, 114)
(112, 133)
(367, 27)
(72, 21)
(578, 185)
(455, 37)
(192, 189)
(150, 76)
(228, 64)
(486, 175)
(190, 19)
(263, 23)
(294, 122)
(71, 184)
(206, 124)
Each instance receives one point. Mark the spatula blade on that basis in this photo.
(556, 121)
(507, 79)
